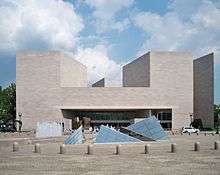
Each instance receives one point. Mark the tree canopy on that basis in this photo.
(216, 113)
(8, 102)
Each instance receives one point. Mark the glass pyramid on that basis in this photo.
(150, 128)
(109, 135)
(76, 137)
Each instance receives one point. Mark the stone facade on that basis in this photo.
(137, 73)
(160, 80)
(204, 89)
(171, 87)
(72, 73)
(39, 78)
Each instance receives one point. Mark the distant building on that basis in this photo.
(170, 85)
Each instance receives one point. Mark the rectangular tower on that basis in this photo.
(39, 79)
(168, 77)
(204, 89)
(137, 73)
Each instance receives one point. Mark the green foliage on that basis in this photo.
(216, 113)
(8, 102)
(217, 109)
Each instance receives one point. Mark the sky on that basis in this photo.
(106, 34)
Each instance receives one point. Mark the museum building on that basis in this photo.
(174, 87)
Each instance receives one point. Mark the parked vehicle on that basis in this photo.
(190, 130)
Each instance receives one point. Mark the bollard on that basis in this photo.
(205, 133)
(173, 148)
(89, 150)
(63, 149)
(213, 134)
(197, 133)
(117, 151)
(37, 148)
(189, 133)
(147, 149)
(197, 146)
(216, 145)
(15, 146)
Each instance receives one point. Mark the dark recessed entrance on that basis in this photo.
(112, 118)
(117, 119)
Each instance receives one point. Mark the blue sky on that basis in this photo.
(105, 34)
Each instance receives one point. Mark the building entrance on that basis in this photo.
(165, 117)
(114, 119)
(117, 118)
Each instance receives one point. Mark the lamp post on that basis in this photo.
(20, 115)
(191, 118)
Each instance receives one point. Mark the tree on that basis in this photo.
(216, 113)
(8, 102)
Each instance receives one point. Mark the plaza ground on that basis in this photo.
(132, 159)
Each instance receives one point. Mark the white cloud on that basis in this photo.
(99, 65)
(190, 26)
(105, 12)
(52, 25)
(41, 24)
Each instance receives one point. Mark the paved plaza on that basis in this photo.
(131, 160)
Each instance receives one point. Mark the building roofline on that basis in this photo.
(112, 107)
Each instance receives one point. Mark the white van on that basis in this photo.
(190, 130)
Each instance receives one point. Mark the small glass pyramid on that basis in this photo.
(76, 137)
(149, 128)
(109, 135)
